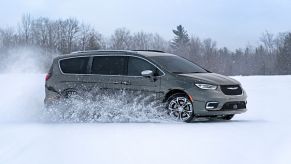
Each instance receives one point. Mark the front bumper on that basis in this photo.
(200, 110)
(202, 97)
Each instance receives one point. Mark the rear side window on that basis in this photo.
(74, 65)
(109, 65)
(137, 65)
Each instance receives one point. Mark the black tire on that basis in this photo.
(182, 112)
(227, 117)
(69, 93)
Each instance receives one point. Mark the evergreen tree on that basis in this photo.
(180, 43)
(181, 38)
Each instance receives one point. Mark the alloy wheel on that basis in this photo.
(180, 108)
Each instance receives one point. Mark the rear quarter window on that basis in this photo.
(74, 65)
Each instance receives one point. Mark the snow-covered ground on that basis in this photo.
(260, 136)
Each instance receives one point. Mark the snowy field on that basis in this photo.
(260, 136)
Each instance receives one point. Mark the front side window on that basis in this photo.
(76, 65)
(108, 65)
(137, 65)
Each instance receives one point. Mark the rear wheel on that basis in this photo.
(180, 107)
(69, 93)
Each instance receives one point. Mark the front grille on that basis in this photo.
(231, 89)
(234, 105)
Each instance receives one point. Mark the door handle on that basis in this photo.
(126, 83)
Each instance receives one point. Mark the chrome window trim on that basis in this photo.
(91, 56)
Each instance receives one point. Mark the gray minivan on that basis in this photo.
(187, 89)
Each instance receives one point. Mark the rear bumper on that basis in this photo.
(50, 97)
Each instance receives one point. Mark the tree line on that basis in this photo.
(271, 56)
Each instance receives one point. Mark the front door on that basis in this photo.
(138, 86)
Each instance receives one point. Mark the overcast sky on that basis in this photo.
(232, 23)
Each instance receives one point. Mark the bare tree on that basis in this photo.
(90, 39)
(121, 39)
(39, 32)
(269, 42)
(195, 49)
(95, 41)
(8, 38)
(158, 43)
(272, 56)
(209, 50)
(66, 33)
(84, 36)
(141, 40)
(72, 29)
(284, 56)
(25, 29)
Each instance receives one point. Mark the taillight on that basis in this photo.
(48, 76)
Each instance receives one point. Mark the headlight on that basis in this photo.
(206, 86)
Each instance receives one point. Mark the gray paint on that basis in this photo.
(160, 86)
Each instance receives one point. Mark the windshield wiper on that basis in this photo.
(187, 72)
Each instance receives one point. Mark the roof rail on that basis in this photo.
(151, 51)
(92, 51)
(86, 51)
(75, 52)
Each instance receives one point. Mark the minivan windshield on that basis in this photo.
(178, 65)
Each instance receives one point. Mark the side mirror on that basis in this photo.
(147, 73)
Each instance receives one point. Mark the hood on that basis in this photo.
(211, 78)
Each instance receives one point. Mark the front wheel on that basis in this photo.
(180, 107)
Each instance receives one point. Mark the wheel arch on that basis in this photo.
(176, 91)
